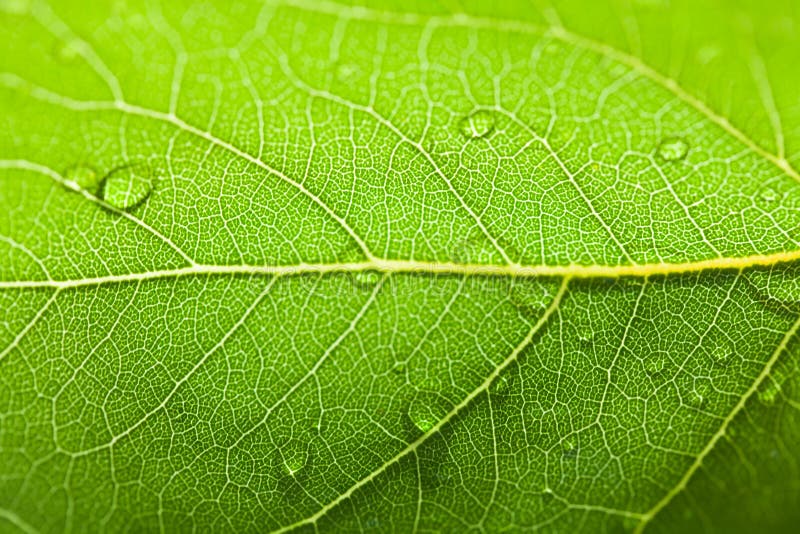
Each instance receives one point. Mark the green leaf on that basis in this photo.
(399, 266)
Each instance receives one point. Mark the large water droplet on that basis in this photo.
(294, 457)
(569, 448)
(696, 397)
(82, 176)
(478, 124)
(346, 72)
(673, 149)
(127, 186)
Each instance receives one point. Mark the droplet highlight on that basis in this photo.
(478, 124)
(127, 186)
(673, 149)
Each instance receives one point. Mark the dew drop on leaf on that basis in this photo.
(769, 394)
(426, 410)
(722, 354)
(129, 185)
(655, 364)
(69, 51)
(366, 279)
(399, 368)
(478, 124)
(768, 194)
(529, 295)
(82, 176)
(673, 148)
(294, 456)
(502, 384)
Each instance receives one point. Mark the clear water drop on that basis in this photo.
(768, 194)
(399, 368)
(655, 364)
(426, 410)
(366, 279)
(569, 448)
(82, 176)
(294, 457)
(770, 393)
(502, 385)
(673, 148)
(69, 51)
(722, 354)
(478, 124)
(346, 71)
(529, 295)
(697, 396)
(127, 186)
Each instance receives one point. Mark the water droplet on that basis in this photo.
(586, 334)
(697, 396)
(722, 354)
(768, 194)
(366, 279)
(673, 149)
(69, 51)
(478, 124)
(127, 186)
(529, 295)
(346, 71)
(655, 364)
(502, 385)
(399, 368)
(294, 457)
(426, 410)
(630, 523)
(82, 176)
(569, 448)
(769, 394)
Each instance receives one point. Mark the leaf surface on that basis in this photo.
(399, 266)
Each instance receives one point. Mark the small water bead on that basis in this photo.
(502, 385)
(127, 186)
(294, 456)
(722, 354)
(346, 71)
(69, 51)
(768, 194)
(366, 279)
(529, 295)
(769, 393)
(655, 364)
(83, 177)
(426, 410)
(478, 124)
(673, 148)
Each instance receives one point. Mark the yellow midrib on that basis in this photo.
(423, 267)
